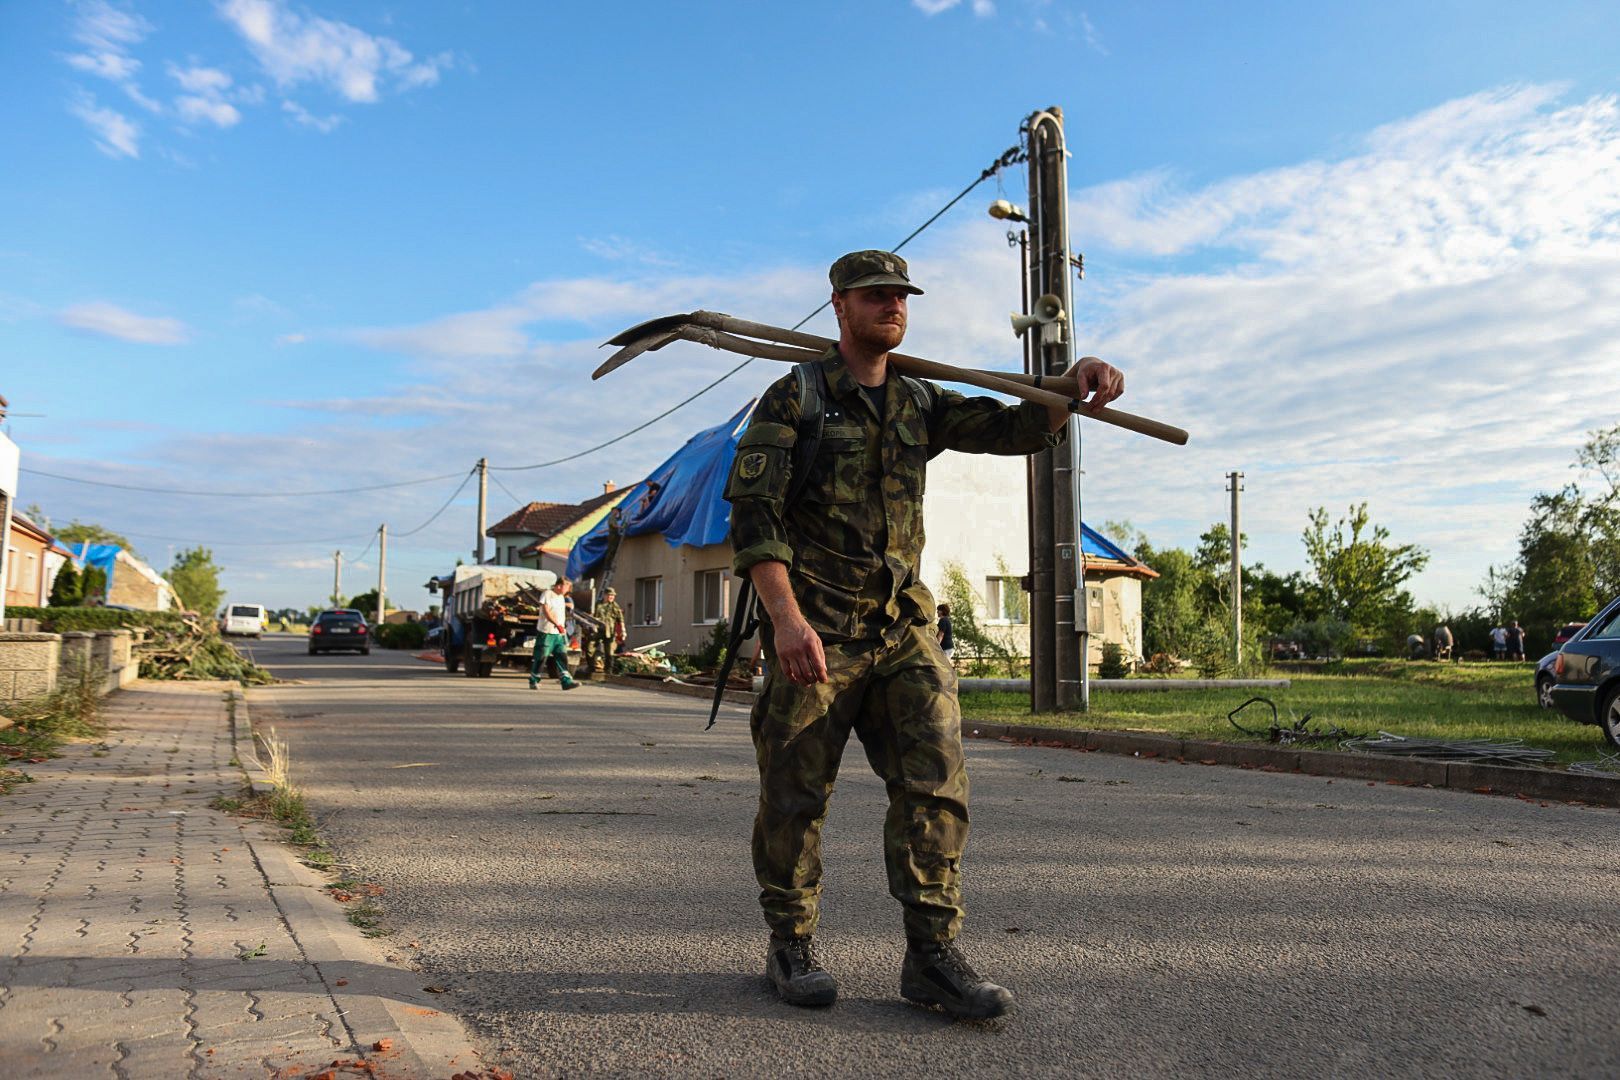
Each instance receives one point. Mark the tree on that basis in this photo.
(1359, 573)
(93, 585)
(68, 588)
(196, 580)
(79, 532)
(365, 603)
(985, 653)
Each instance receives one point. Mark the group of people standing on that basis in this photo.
(1507, 642)
(556, 627)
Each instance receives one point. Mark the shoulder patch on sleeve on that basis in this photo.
(766, 434)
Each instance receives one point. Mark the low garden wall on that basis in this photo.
(32, 664)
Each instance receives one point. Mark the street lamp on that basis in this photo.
(1002, 210)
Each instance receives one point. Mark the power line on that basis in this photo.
(508, 491)
(239, 494)
(440, 510)
(1008, 157)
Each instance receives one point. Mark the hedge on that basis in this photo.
(61, 620)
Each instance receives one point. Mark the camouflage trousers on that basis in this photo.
(901, 702)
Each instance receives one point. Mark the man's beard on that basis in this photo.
(883, 336)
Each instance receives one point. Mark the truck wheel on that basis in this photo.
(452, 660)
(470, 659)
(486, 670)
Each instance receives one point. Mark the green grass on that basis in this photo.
(41, 725)
(1418, 698)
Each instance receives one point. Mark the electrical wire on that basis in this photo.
(442, 509)
(239, 494)
(1008, 157)
(509, 495)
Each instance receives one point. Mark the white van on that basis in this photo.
(246, 619)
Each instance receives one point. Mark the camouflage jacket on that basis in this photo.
(854, 540)
(611, 616)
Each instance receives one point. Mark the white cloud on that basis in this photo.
(116, 135)
(323, 124)
(1429, 322)
(110, 320)
(216, 112)
(1093, 39)
(206, 98)
(107, 34)
(296, 49)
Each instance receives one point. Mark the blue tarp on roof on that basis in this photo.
(101, 556)
(1098, 546)
(683, 498)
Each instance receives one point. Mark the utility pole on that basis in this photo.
(337, 578)
(382, 572)
(1235, 486)
(1059, 676)
(483, 505)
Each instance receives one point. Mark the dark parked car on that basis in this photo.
(1586, 674)
(1545, 680)
(340, 628)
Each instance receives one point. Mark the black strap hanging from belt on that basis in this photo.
(744, 621)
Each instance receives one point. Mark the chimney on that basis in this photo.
(607, 487)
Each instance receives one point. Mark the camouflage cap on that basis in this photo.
(861, 269)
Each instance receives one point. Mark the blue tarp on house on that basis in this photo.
(684, 498)
(102, 556)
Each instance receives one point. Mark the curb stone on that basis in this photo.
(376, 994)
(1458, 776)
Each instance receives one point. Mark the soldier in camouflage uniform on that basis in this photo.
(846, 624)
(611, 616)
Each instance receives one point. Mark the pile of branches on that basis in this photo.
(191, 649)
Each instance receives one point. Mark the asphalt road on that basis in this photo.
(574, 868)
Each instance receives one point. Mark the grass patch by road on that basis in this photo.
(1421, 699)
(41, 725)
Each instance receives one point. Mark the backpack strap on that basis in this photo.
(813, 394)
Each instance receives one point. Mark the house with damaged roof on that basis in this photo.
(668, 551)
(539, 535)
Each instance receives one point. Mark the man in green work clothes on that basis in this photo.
(846, 625)
(552, 643)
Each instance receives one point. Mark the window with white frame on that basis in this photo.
(708, 596)
(1004, 600)
(650, 601)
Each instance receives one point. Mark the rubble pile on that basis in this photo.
(191, 649)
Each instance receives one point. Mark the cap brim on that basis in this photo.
(871, 280)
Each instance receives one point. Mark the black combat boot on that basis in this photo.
(936, 973)
(799, 977)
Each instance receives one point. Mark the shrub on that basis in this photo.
(61, 620)
(1113, 664)
(405, 635)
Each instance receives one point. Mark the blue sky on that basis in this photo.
(1362, 252)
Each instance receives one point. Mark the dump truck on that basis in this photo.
(490, 614)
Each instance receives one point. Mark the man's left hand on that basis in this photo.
(1102, 381)
(1098, 382)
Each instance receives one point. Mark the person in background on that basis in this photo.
(610, 639)
(551, 637)
(947, 642)
(1515, 640)
(1499, 643)
(1442, 642)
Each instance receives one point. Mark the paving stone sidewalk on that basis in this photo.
(144, 934)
